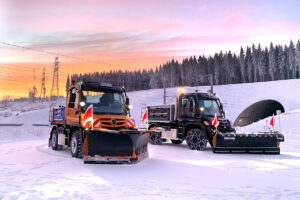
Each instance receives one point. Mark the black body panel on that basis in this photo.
(95, 86)
(248, 143)
(116, 145)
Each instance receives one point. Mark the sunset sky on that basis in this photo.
(130, 35)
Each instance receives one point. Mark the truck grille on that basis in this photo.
(112, 123)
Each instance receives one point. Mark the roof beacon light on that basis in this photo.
(180, 90)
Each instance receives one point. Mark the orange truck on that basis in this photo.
(107, 135)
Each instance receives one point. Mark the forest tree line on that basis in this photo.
(252, 64)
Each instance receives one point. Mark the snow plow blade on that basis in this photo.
(109, 146)
(256, 143)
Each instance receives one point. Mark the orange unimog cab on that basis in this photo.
(96, 124)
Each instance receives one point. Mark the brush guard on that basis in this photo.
(256, 143)
(110, 146)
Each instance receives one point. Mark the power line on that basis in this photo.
(11, 74)
(56, 54)
(17, 86)
(22, 68)
(18, 83)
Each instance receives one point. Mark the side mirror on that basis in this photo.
(127, 104)
(191, 106)
(221, 106)
(71, 105)
(73, 97)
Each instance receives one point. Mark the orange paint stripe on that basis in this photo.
(120, 157)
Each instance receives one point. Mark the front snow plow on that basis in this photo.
(110, 146)
(256, 143)
(96, 125)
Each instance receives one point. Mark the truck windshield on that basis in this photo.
(103, 102)
(210, 107)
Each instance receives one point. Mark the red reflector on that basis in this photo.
(206, 123)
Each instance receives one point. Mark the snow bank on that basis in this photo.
(287, 123)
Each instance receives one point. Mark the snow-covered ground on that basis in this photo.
(31, 170)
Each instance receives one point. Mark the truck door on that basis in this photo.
(187, 106)
(72, 112)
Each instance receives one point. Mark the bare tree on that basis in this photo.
(5, 100)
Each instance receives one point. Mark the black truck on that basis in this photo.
(190, 119)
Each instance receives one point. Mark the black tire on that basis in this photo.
(196, 139)
(155, 138)
(76, 144)
(177, 141)
(54, 140)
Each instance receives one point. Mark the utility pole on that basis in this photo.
(43, 86)
(55, 78)
(34, 87)
(211, 83)
(165, 96)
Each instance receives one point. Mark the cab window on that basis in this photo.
(188, 106)
(73, 99)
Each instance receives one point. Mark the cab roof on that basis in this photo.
(202, 95)
(98, 86)
(206, 95)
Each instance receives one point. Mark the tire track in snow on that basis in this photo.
(47, 150)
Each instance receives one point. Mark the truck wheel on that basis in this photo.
(54, 140)
(76, 145)
(196, 139)
(176, 141)
(155, 138)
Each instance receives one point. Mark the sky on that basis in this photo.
(129, 34)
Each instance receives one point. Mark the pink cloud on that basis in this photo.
(140, 28)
